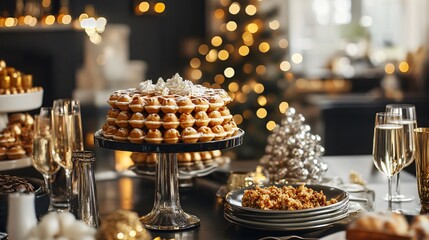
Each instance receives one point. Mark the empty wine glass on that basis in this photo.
(388, 148)
(42, 143)
(409, 121)
(67, 136)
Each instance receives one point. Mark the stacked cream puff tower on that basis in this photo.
(169, 112)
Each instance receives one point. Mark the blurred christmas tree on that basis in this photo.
(247, 57)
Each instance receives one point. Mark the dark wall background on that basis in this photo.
(54, 55)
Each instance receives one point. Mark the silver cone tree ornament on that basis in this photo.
(293, 153)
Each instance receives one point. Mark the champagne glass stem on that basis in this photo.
(389, 194)
(68, 187)
(398, 185)
(48, 184)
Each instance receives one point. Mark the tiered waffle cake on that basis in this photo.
(170, 112)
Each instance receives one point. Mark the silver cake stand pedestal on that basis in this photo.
(167, 214)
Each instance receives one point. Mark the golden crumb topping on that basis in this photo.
(285, 198)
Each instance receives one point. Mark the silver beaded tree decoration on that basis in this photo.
(292, 152)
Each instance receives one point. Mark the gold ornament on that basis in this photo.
(124, 225)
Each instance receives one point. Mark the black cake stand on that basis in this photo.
(167, 214)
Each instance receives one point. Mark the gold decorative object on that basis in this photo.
(124, 225)
(422, 163)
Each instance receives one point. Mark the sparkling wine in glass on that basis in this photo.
(409, 121)
(388, 148)
(67, 137)
(42, 158)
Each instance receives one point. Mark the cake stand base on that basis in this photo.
(164, 219)
(167, 214)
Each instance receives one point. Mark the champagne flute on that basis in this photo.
(388, 148)
(409, 121)
(42, 158)
(67, 136)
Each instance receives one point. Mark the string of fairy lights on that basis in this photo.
(32, 14)
(236, 40)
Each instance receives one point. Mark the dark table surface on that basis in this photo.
(128, 191)
(137, 193)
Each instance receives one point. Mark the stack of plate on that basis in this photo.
(288, 220)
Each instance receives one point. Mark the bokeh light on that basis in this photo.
(274, 24)
(270, 125)
(296, 58)
(285, 66)
(229, 72)
(231, 26)
(216, 41)
(195, 63)
(264, 47)
(223, 55)
(389, 68)
(404, 67)
(234, 8)
(251, 10)
(261, 113)
(243, 50)
(283, 106)
(159, 7)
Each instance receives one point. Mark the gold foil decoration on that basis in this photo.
(124, 225)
